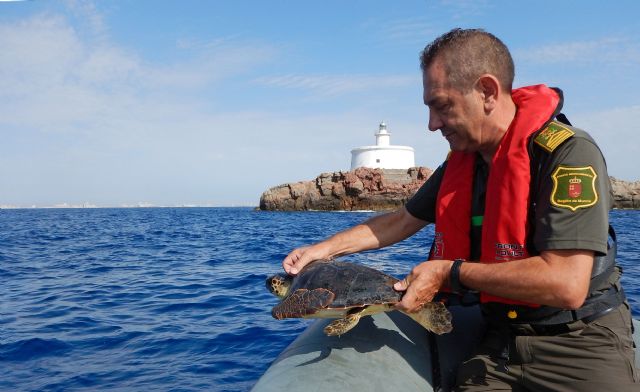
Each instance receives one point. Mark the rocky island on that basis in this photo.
(360, 189)
(380, 190)
(626, 194)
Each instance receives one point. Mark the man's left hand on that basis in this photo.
(422, 284)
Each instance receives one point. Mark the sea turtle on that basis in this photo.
(346, 291)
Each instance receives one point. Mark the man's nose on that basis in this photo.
(435, 122)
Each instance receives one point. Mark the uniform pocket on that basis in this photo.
(617, 327)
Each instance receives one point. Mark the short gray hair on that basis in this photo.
(469, 53)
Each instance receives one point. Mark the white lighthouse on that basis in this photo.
(383, 155)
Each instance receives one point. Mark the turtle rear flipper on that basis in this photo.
(434, 316)
(341, 326)
(303, 302)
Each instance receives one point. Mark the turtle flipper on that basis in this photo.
(434, 316)
(341, 326)
(302, 302)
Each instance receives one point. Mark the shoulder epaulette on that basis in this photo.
(553, 135)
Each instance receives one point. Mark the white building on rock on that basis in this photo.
(383, 155)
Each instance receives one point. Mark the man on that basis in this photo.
(521, 213)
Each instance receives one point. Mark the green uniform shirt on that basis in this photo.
(570, 189)
(569, 214)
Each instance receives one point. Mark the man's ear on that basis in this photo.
(489, 89)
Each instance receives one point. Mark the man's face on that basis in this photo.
(458, 115)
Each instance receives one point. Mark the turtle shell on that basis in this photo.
(346, 291)
(351, 284)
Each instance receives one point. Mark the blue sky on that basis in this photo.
(212, 102)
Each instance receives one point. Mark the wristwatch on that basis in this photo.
(454, 278)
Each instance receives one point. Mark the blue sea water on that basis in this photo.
(169, 299)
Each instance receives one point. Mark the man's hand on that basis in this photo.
(298, 258)
(422, 284)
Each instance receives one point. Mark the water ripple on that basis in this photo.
(33, 348)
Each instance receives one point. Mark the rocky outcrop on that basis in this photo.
(381, 189)
(361, 189)
(626, 194)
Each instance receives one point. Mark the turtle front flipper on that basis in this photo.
(341, 326)
(302, 302)
(434, 316)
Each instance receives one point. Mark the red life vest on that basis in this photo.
(505, 228)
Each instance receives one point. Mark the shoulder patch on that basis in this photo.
(574, 187)
(553, 135)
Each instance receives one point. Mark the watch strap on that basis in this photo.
(454, 277)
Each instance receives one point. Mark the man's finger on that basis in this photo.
(294, 263)
(292, 267)
(410, 303)
(403, 284)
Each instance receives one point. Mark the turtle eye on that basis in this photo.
(270, 283)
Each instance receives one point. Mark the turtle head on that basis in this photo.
(279, 284)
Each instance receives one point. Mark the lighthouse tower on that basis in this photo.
(383, 155)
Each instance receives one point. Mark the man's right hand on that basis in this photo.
(300, 257)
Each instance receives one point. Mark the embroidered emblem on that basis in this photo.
(574, 187)
(553, 135)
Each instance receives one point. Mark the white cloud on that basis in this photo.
(84, 118)
(90, 121)
(418, 31)
(408, 30)
(461, 9)
(86, 12)
(52, 78)
(339, 84)
(608, 50)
